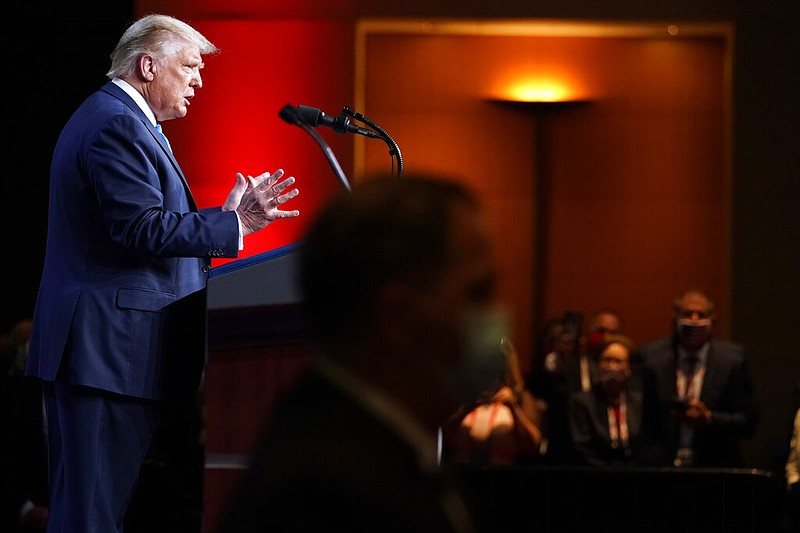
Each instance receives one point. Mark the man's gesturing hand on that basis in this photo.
(260, 199)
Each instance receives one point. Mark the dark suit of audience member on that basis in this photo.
(703, 386)
(23, 463)
(613, 424)
(554, 375)
(399, 284)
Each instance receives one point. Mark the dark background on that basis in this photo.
(58, 53)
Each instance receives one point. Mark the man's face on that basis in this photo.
(614, 368)
(175, 78)
(615, 358)
(693, 321)
(605, 323)
(694, 308)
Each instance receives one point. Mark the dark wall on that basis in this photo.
(766, 216)
(57, 57)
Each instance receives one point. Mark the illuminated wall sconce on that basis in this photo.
(538, 89)
(538, 92)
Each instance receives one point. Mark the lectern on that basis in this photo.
(257, 346)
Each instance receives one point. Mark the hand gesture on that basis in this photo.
(256, 200)
(235, 196)
(696, 415)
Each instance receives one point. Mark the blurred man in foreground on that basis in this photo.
(399, 286)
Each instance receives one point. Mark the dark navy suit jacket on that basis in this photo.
(727, 391)
(588, 417)
(125, 241)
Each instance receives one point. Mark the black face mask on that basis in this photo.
(693, 335)
(612, 381)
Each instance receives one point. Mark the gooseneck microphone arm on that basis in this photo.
(394, 149)
(290, 114)
(310, 117)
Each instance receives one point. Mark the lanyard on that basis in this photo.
(618, 423)
(586, 380)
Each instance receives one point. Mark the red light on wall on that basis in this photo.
(233, 124)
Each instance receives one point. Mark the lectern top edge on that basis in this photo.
(253, 260)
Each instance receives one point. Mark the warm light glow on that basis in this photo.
(519, 85)
(536, 92)
(672, 29)
(536, 79)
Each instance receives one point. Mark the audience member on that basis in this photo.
(399, 285)
(703, 386)
(19, 338)
(127, 246)
(24, 462)
(601, 323)
(792, 470)
(553, 376)
(791, 463)
(612, 424)
(562, 365)
(501, 428)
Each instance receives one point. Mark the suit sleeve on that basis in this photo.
(144, 201)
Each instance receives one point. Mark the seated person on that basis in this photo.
(610, 424)
(501, 428)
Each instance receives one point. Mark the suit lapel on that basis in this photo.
(712, 378)
(118, 93)
(162, 143)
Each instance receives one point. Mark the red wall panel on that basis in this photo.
(233, 124)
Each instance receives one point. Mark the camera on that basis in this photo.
(679, 404)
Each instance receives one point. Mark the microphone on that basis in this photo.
(341, 124)
(289, 114)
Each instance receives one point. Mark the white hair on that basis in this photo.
(154, 35)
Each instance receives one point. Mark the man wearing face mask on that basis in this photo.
(703, 386)
(398, 284)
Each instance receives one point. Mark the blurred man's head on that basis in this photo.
(402, 268)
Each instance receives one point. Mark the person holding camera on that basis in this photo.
(703, 387)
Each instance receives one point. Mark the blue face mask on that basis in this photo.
(483, 364)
